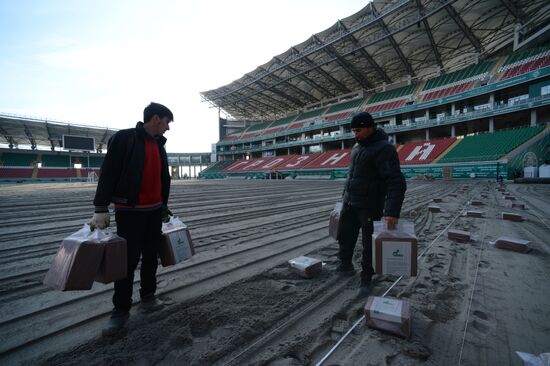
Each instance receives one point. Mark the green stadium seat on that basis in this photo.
(58, 161)
(490, 146)
(392, 94)
(18, 159)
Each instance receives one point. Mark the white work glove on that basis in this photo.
(100, 220)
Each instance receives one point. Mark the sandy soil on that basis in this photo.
(236, 303)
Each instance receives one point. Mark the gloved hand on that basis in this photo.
(100, 220)
(165, 214)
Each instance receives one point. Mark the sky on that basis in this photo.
(101, 62)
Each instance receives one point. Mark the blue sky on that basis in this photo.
(101, 62)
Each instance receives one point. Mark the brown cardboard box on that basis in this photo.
(77, 261)
(114, 264)
(459, 235)
(394, 251)
(389, 315)
(518, 205)
(334, 221)
(306, 267)
(473, 213)
(511, 216)
(176, 245)
(434, 208)
(517, 245)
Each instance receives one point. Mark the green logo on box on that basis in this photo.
(397, 254)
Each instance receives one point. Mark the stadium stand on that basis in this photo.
(311, 114)
(59, 161)
(423, 152)
(344, 106)
(490, 146)
(392, 94)
(523, 62)
(473, 71)
(456, 82)
(16, 173)
(214, 170)
(330, 160)
(18, 159)
(55, 173)
(278, 125)
(338, 116)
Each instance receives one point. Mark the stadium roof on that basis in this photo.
(17, 130)
(385, 42)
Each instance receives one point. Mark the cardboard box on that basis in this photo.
(114, 264)
(306, 267)
(389, 315)
(516, 245)
(512, 216)
(459, 235)
(175, 245)
(521, 206)
(473, 213)
(77, 261)
(394, 252)
(434, 208)
(334, 221)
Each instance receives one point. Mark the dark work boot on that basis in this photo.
(116, 323)
(151, 303)
(346, 268)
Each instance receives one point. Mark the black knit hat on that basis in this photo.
(361, 120)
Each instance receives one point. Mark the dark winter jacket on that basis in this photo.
(375, 181)
(122, 169)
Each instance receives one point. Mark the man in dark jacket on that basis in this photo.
(375, 188)
(134, 176)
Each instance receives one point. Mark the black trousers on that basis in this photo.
(142, 231)
(351, 220)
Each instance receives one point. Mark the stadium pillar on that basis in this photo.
(491, 124)
(453, 109)
(342, 145)
(453, 130)
(427, 135)
(303, 150)
(533, 118)
(491, 100)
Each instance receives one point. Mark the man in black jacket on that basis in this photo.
(134, 176)
(375, 188)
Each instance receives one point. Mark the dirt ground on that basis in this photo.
(236, 303)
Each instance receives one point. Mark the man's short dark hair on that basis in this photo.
(156, 109)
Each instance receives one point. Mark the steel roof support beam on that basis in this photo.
(327, 76)
(308, 81)
(359, 78)
(50, 137)
(304, 55)
(396, 47)
(430, 35)
(8, 138)
(517, 13)
(280, 103)
(366, 55)
(464, 28)
(305, 94)
(29, 135)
